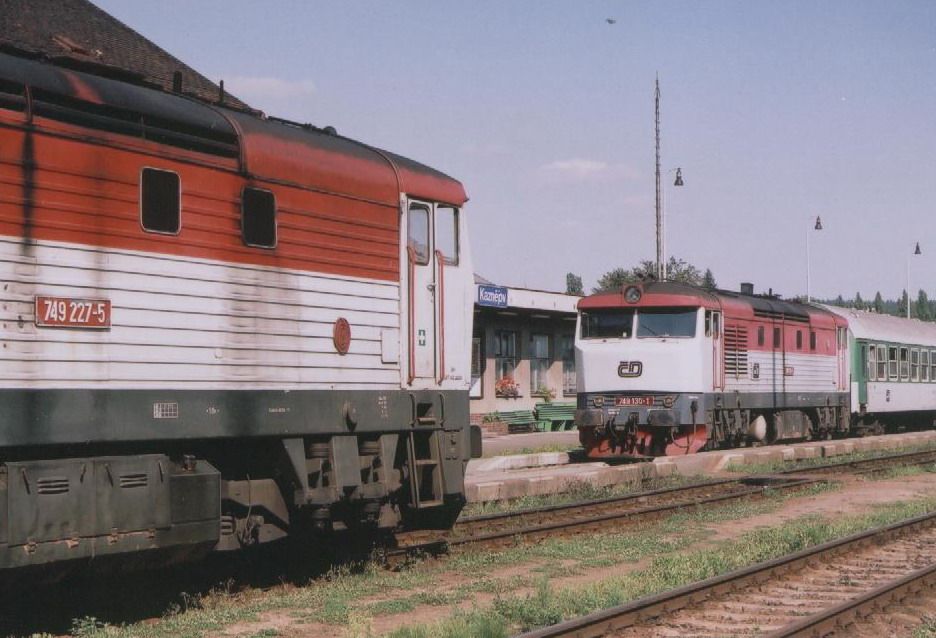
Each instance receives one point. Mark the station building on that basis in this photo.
(522, 349)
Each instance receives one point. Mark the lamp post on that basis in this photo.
(816, 226)
(660, 217)
(917, 251)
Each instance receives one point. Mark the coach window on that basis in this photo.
(932, 365)
(417, 233)
(160, 201)
(760, 335)
(258, 218)
(799, 339)
(881, 363)
(867, 353)
(924, 365)
(446, 227)
(776, 337)
(914, 364)
(892, 363)
(904, 363)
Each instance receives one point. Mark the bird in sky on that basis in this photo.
(610, 20)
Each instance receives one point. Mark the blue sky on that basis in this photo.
(776, 112)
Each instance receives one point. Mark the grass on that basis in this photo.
(547, 605)
(546, 447)
(352, 595)
(927, 629)
(577, 490)
(901, 471)
(774, 466)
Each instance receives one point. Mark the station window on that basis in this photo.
(258, 218)
(417, 233)
(812, 339)
(477, 367)
(867, 353)
(505, 354)
(160, 201)
(914, 364)
(446, 228)
(881, 363)
(799, 339)
(892, 363)
(776, 337)
(904, 363)
(539, 363)
(567, 352)
(924, 365)
(760, 335)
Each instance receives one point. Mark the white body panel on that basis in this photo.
(201, 324)
(810, 373)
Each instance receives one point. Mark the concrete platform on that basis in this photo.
(508, 477)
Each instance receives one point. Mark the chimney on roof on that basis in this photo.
(747, 288)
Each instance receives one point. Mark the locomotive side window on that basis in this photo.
(892, 363)
(924, 365)
(160, 201)
(799, 339)
(607, 324)
(904, 363)
(915, 364)
(417, 233)
(812, 339)
(776, 337)
(881, 363)
(446, 228)
(258, 218)
(760, 335)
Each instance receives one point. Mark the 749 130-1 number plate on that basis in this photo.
(64, 312)
(634, 401)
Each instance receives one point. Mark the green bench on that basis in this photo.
(518, 420)
(555, 416)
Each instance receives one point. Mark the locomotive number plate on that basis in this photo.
(62, 312)
(644, 401)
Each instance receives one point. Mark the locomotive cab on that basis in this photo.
(645, 363)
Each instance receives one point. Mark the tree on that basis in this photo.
(839, 301)
(859, 302)
(676, 270)
(574, 284)
(923, 306)
(878, 303)
(902, 304)
(708, 280)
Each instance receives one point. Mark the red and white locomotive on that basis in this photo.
(666, 368)
(218, 329)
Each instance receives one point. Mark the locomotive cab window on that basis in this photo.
(160, 201)
(674, 322)
(417, 233)
(607, 324)
(258, 218)
(446, 229)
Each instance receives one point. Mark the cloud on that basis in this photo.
(259, 89)
(581, 169)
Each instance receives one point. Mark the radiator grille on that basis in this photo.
(165, 410)
(736, 359)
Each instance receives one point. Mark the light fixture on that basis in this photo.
(818, 223)
(918, 251)
(678, 181)
(632, 294)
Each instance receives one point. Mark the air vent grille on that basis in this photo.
(736, 354)
(52, 485)
(133, 480)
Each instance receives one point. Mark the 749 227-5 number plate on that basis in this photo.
(63, 312)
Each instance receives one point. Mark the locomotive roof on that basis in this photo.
(879, 327)
(675, 294)
(267, 148)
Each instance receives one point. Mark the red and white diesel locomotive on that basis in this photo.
(218, 328)
(665, 368)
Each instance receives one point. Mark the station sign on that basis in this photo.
(492, 296)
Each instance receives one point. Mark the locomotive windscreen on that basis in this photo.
(608, 324)
(674, 322)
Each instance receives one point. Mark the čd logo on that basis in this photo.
(630, 369)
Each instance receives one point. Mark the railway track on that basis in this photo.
(499, 530)
(814, 592)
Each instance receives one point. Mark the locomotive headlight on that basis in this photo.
(598, 401)
(632, 294)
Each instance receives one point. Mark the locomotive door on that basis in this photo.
(718, 351)
(421, 292)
